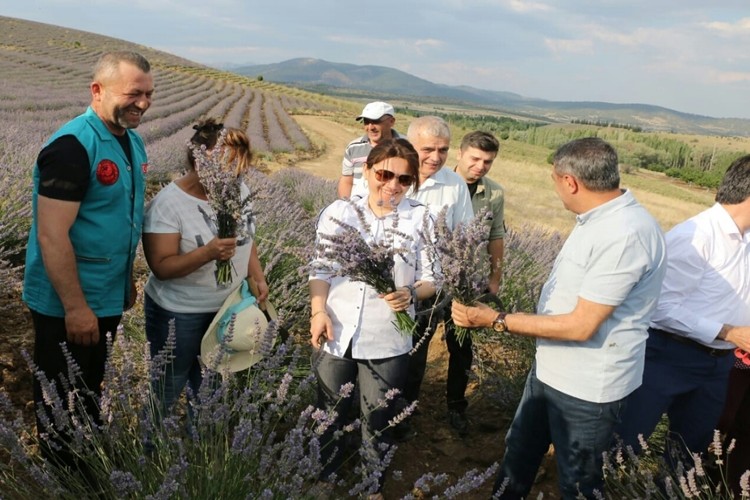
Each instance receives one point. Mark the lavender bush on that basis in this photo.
(249, 435)
(503, 361)
(277, 138)
(645, 474)
(464, 261)
(255, 124)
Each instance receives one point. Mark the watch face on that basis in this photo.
(499, 325)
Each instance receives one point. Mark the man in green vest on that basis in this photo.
(87, 206)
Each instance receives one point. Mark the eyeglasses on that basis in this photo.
(384, 175)
(368, 121)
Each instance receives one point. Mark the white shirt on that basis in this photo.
(614, 256)
(445, 188)
(358, 315)
(708, 278)
(174, 211)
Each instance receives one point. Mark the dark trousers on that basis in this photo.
(374, 378)
(49, 335)
(687, 384)
(734, 424)
(426, 325)
(580, 431)
(459, 367)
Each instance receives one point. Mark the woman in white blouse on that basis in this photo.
(353, 330)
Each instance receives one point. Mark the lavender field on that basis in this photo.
(254, 436)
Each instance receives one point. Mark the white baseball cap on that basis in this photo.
(376, 110)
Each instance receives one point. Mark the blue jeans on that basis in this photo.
(184, 366)
(687, 384)
(374, 377)
(580, 431)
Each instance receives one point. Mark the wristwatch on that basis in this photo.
(499, 324)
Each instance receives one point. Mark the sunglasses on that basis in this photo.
(368, 121)
(384, 175)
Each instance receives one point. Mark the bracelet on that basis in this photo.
(318, 312)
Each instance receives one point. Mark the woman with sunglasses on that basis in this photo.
(353, 330)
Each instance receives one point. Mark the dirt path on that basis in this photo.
(332, 137)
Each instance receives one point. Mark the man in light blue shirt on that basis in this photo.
(591, 325)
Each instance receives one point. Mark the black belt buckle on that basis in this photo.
(718, 353)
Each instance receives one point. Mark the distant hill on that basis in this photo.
(383, 82)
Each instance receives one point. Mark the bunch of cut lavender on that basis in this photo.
(348, 253)
(223, 190)
(464, 260)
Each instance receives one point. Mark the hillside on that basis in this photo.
(381, 82)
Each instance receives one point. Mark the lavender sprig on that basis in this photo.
(223, 190)
(464, 260)
(348, 253)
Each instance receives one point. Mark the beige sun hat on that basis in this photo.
(243, 350)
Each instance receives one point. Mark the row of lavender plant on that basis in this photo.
(255, 129)
(290, 127)
(276, 136)
(237, 115)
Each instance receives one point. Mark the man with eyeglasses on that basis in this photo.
(439, 188)
(378, 120)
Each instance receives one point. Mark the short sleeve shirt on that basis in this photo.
(174, 211)
(614, 256)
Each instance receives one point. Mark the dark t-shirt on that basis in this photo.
(64, 168)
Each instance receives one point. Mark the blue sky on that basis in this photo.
(688, 55)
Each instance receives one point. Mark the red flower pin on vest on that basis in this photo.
(107, 172)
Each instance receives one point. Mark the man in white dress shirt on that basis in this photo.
(702, 315)
(439, 187)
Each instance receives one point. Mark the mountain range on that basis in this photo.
(380, 82)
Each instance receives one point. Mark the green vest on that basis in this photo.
(107, 229)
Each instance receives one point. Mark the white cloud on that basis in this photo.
(741, 27)
(523, 6)
(568, 46)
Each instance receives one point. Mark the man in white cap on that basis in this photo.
(377, 118)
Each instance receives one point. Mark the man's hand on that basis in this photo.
(738, 335)
(479, 316)
(82, 326)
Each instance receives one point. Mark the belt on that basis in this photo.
(716, 353)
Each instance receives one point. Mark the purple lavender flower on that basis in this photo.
(464, 261)
(348, 253)
(223, 190)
